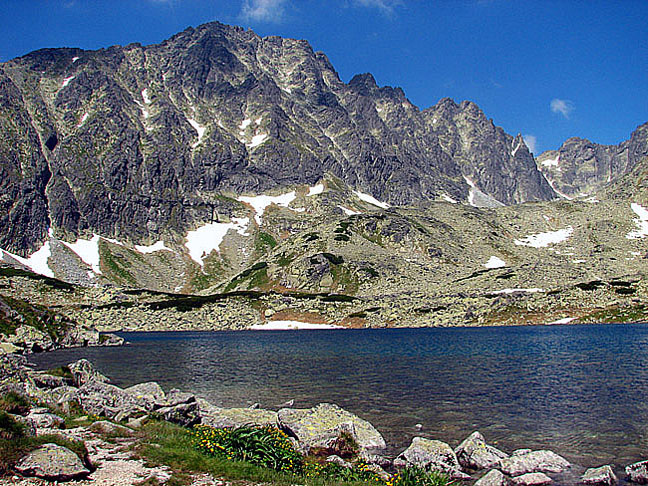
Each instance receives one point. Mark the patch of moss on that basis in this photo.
(264, 241)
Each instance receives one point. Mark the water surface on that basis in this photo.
(578, 390)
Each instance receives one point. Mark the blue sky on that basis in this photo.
(547, 69)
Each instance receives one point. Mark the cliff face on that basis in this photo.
(140, 142)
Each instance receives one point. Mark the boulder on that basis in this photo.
(638, 472)
(534, 461)
(52, 462)
(234, 417)
(320, 426)
(83, 371)
(474, 453)
(431, 454)
(599, 476)
(333, 459)
(492, 478)
(150, 391)
(177, 397)
(31, 339)
(531, 479)
(185, 414)
(45, 420)
(102, 399)
(108, 428)
(109, 339)
(44, 380)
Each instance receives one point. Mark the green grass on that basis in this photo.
(36, 316)
(61, 371)
(12, 402)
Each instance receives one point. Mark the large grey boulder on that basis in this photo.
(42, 419)
(603, 475)
(102, 399)
(474, 453)
(534, 461)
(321, 426)
(234, 417)
(185, 414)
(638, 472)
(492, 478)
(52, 462)
(531, 479)
(83, 371)
(44, 380)
(431, 454)
(108, 428)
(150, 391)
(31, 339)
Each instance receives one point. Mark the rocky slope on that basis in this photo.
(141, 142)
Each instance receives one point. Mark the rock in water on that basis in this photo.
(321, 426)
(531, 479)
(474, 453)
(599, 476)
(52, 462)
(492, 478)
(535, 461)
(638, 472)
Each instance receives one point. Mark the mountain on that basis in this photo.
(219, 180)
(140, 142)
(581, 168)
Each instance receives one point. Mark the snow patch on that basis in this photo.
(494, 262)
(37, 261)
(578, 261)
(349, 212)
(244, 124)
(641, 222)
(260, 203)
(512, 291)
(449, 199)
(542, 240)
(157, 246)
(199, 129)
(66, 81)
(145, 96)
(315, 190)
(257, 140)
(516, 148)
(75, 58)
(82, 120)
(88, 251)
(565, 320)
(259, 120)
(371, 200)
(291, 326)
(591, 199)
(202, 241)
(551, 162)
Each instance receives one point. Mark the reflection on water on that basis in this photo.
(579, 390)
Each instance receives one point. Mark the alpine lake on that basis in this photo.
(579, 390)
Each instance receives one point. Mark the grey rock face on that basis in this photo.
(535, 461)
(84, 372)
(150, 391)
(600, 476)
(137, 141)
(474, 453)
(102, 399)
(185, 414)
(44, 420)
(108, 428)
(638, 472)
(52, 462)
(321, 426)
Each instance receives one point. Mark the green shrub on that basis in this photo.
(10, 428)
(263, 446)
(15, 403)
(416, 476)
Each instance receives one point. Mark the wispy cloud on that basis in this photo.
(564, 107)
(386, 6)
(263, 10)
(531, 142)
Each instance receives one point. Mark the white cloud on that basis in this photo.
(564, 107)
(531, 142)
(386, 6)
(263, 10)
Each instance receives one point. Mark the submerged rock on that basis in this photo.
(535, 461)
(599, 476)
(531, 479)
(474, 453)
(638, 472)
(322, 425)
(52, 462)
(492, 478)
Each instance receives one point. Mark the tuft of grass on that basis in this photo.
(15, 403)
(61, 371)
(416, 476)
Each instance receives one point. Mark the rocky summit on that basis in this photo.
(221, 180)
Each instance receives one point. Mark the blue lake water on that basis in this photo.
(581, 391)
